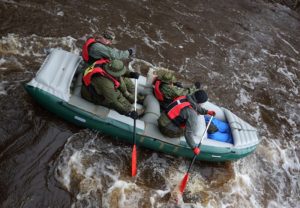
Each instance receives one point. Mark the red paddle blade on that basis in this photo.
(184, 182)
(133, 161)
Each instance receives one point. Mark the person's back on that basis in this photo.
(100, 46)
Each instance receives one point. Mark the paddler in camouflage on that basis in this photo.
(166, 87)
(100, 46)
(181, 118)
(110, 86)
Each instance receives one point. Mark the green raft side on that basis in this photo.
(124, 132)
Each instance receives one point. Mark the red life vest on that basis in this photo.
(173, 110)
(97, 68)
(157, 93)
(85, 49)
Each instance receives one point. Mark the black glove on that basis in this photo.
(134, 75)
(197, 85)
(178, 84)
(132, 51)
(133, 115)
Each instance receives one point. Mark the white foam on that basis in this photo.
(128, 194)
(273, 204)
(162, 193)
(184, 66)
(285, 72)
(244, 98)
(287, 43)
(34, 45)
(60, 13)
(147, 42)
(2, 61)
(2, 88)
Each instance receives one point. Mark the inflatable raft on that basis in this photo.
(56, 87)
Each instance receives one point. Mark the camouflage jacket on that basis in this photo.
(104, 93)
(170, 92)
(98, 50)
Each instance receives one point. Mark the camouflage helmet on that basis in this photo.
(110, 35)
(115, 68)
(167, 76)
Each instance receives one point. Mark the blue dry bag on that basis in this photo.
(223, 134)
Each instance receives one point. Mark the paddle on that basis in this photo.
(186, 176)
(133, 155)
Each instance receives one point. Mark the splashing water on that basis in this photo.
(247, 57)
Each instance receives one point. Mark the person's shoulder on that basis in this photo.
(97, 45)
(168, 87)
(191, 113)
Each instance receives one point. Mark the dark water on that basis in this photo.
(246, 54)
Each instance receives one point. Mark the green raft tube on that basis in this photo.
(56, 87)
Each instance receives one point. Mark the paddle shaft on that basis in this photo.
(199, 145)
(133, 156)
(186, 176)
(134, 120)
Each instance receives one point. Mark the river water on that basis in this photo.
(245, 53)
